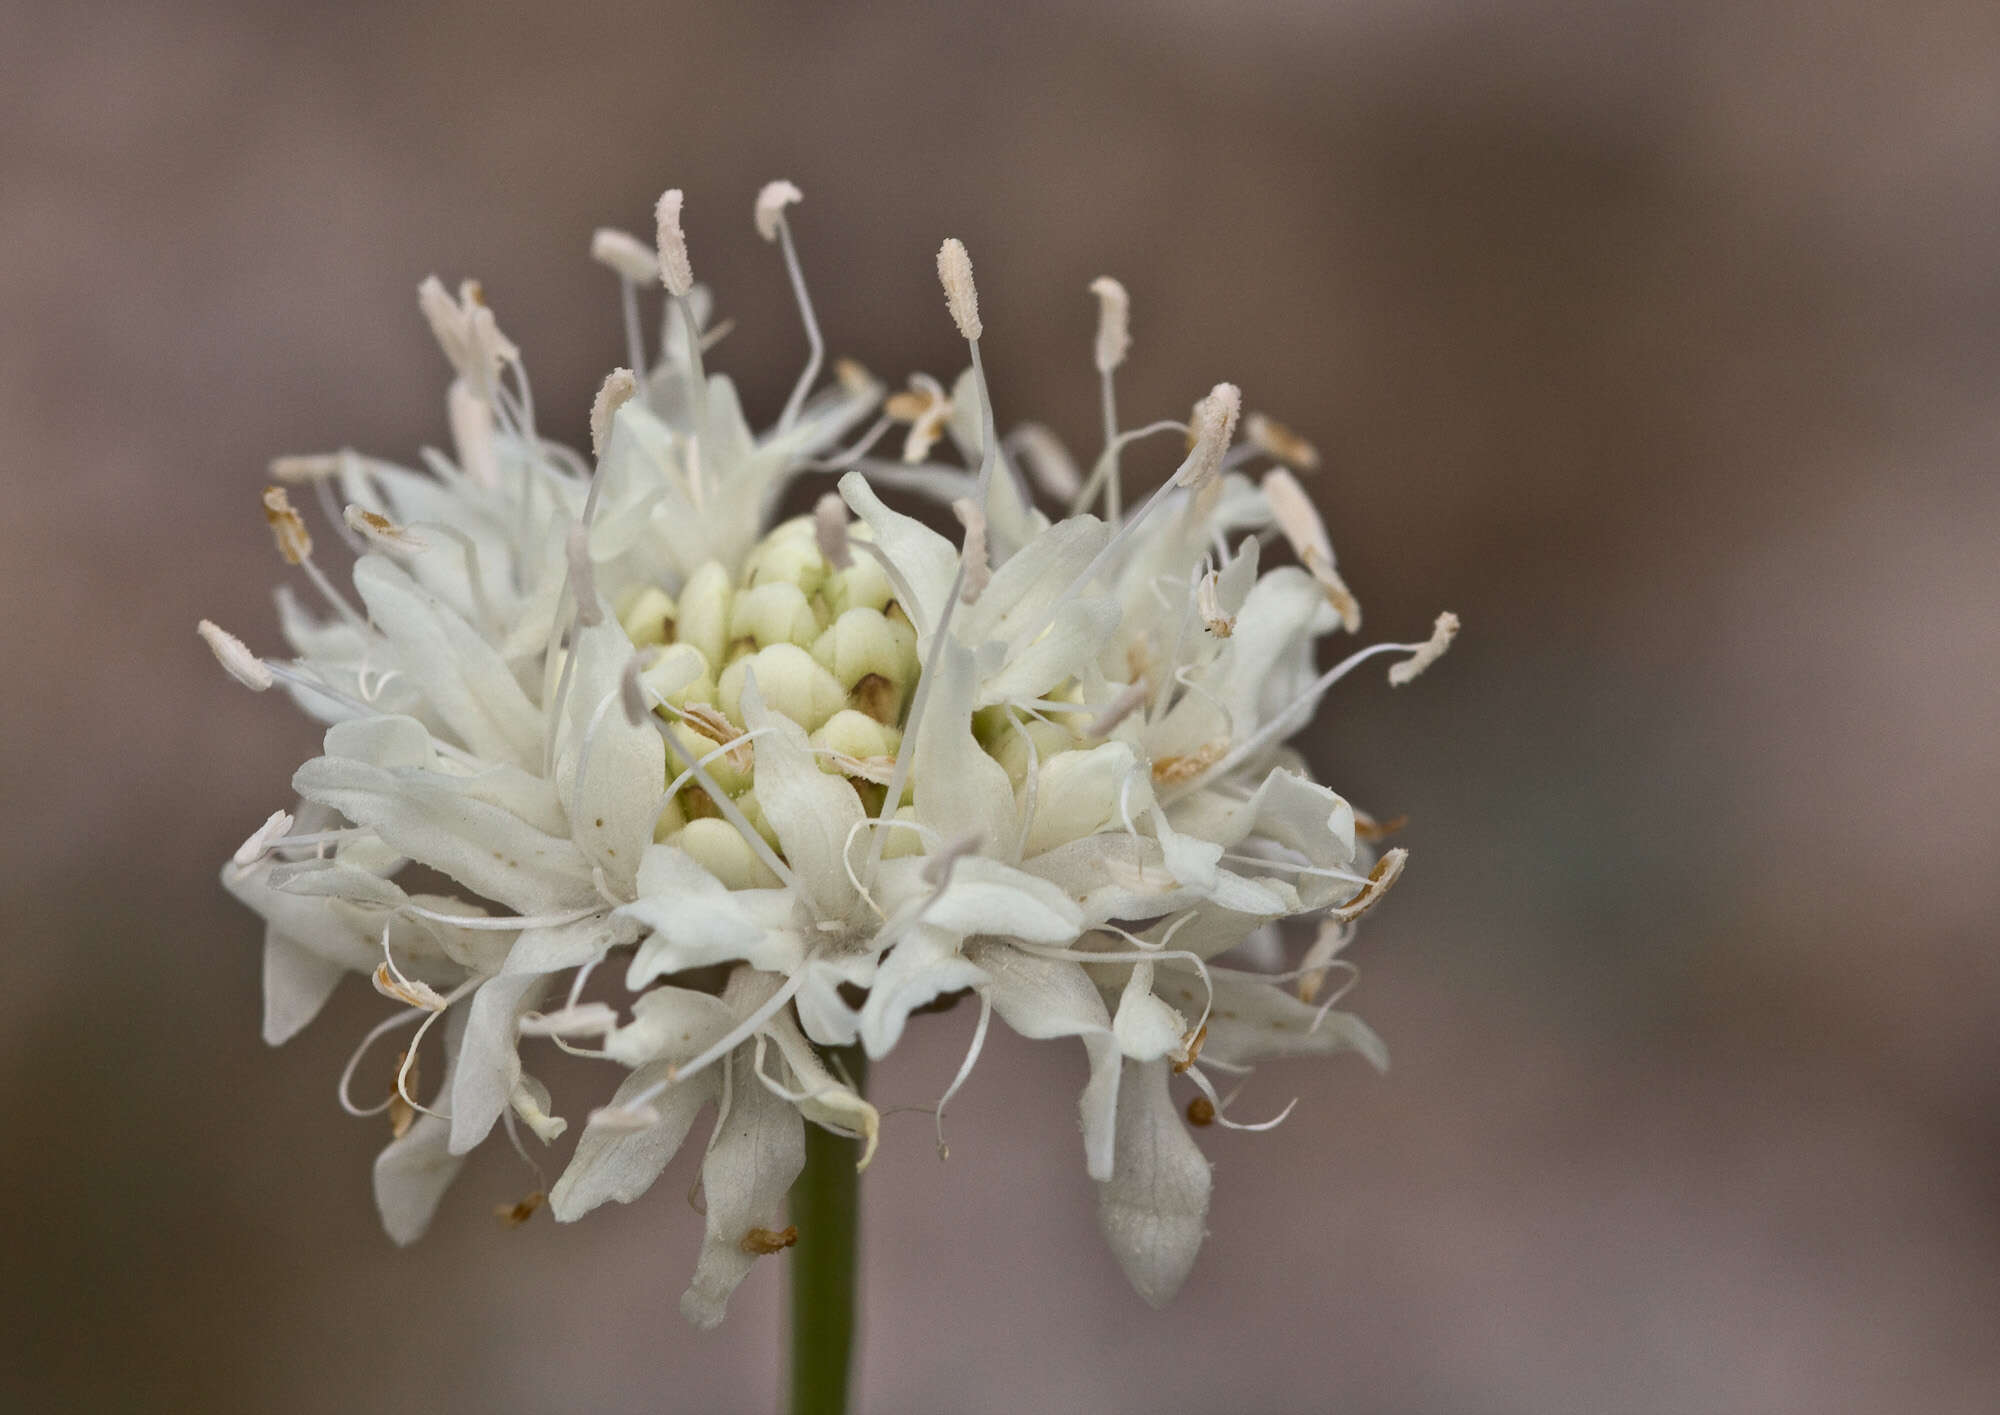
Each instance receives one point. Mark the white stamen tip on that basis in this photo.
(978, 569)
(1048, 461)
(1280, 443)
(1442, 634)
(584, 1019)
(583, 578)
(412, 991)
(287, 526)
(674, 267)
(235, 656)
(616, 391)
(626, 254)
(259, 844)
(317, 466)
(1214, 427)
(771, 204)
(1300, 522)
(830, 530)
(1208, 603)
(1114, 322)
(960, 296)
(623, 1119)
(380, 532)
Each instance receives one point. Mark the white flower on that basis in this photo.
(798, 781)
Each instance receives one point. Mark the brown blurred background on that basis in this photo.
(1658, 340)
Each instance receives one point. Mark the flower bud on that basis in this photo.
(792, 685)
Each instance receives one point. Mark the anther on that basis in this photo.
(675, 270)
(1306, 533)
(287, 526)
(1208, 604)
(1442, 633)
(413, 992)
(1280, 443)
(1114, 329)
(830, 531)
(235, 656)
(960, 297)
(1048, 461)
(259, 844)
(380, 532)
(617, 389)
(1213, 426)
(311, 467)
(626, 254)
(771, 204)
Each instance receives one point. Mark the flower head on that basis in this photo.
(793, 782)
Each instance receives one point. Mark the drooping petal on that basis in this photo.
(918, 556)
(488, 1064)
(297, 983)
(759, 1150)
(615, 1164)
(960, 790)
(924, 965)
(1255, 1021)
(1153, 1209)
(1042, 998)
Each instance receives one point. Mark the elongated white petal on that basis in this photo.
(488, 1065)
(611, 1164)
(1042, 998)
(759, 1150)
(813, 813)
(297, 983)
(1153, 1210)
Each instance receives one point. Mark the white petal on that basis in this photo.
(462, 676)
(759, 1150)
(917, 555)
(621, 1165)
(614, 806)
(959, 789)
(411, 1175)
(811, 811)
(1072, 642)
(488, 1065)
(297, 983)
(1147, 1028)
(1154, 1207)
(1024, 588)
(828, 1101)
(673, 1025)
(440, 821)
(924, 965)
(697, 921)
(1042, 998)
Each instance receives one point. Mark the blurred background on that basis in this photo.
(1661, 341)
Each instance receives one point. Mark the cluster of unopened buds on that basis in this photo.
(713, 798)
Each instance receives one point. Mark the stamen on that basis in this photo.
(771, 204)
(1280, 443)
(583, 578)
(1214, 425)
(960, 296)
(632, 687)
(1300, 522)
(287, 526)
(938, 866)
(235, 657)
(1048, 461)
(1387, 871)
(830, 531)
(411, 991)
(578, 1019)
(978, 570)
(617, 389)
(309, 467)
(1114, 313)
(626, 254)
(1442, 634)
(380, 532)
(471, 419)
(259, 844)
(675, 270)
(1333, 936)
(1209, 606)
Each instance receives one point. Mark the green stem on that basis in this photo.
(825, 1208)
